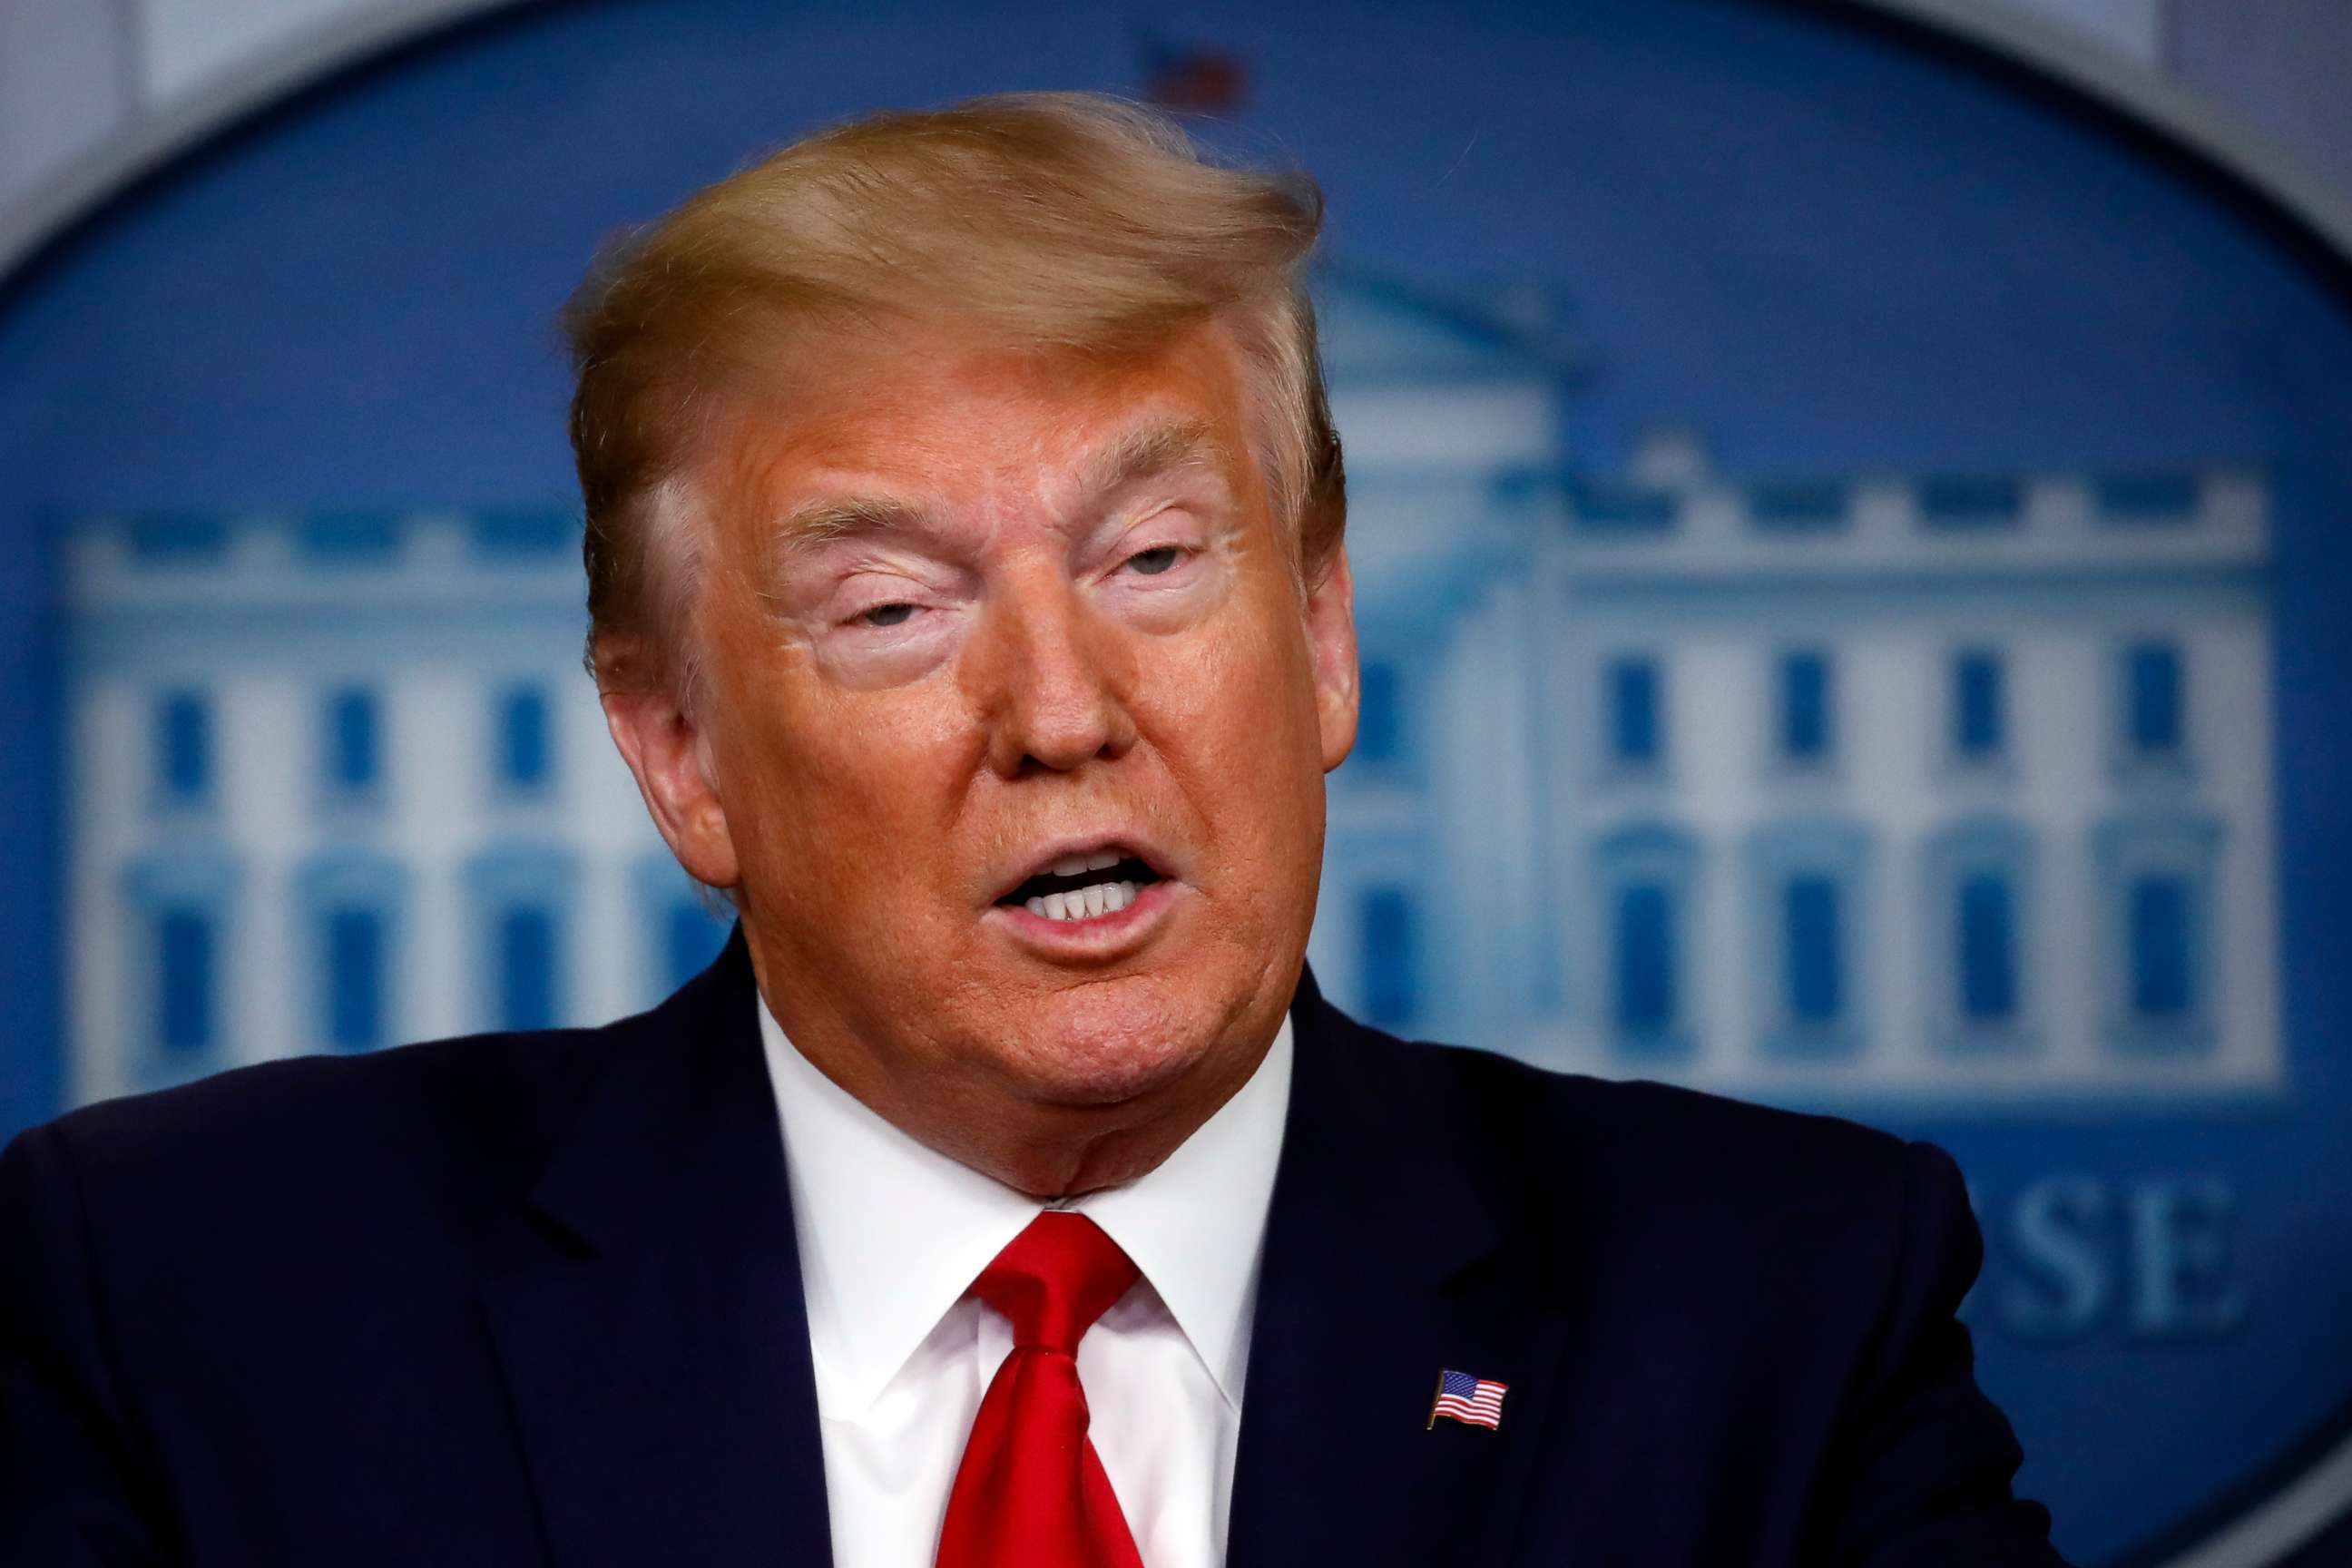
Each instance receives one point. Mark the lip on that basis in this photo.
(1099, 938)
(1125, 843)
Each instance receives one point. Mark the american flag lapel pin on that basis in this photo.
(1476, 1401)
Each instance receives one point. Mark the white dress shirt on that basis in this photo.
(893, 1233)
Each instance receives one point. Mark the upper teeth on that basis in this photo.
(1083, 904)
(1071, 864)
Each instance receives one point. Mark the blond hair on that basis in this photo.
(1050, 222)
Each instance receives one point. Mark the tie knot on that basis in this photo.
(1054, 1279)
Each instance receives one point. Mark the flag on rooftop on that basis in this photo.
(1192, 78)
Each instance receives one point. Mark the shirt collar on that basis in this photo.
(892, 1232)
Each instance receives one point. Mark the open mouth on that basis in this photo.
(1083, 886)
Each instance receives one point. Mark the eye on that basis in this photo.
(1152, 562)
(886, 616)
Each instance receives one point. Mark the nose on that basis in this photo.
(1049, 674)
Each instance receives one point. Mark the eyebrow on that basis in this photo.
(819, 523)
(1149, 451)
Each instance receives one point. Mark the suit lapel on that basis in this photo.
(651, 1328)
(1389, 1257)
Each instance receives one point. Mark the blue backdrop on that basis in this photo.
(1829, 249)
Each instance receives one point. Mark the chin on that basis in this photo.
(1102, 1045)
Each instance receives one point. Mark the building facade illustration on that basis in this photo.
(338, 782)
(1911, 787)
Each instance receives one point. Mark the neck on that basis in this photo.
(1018, 1133)
(1035, 1146)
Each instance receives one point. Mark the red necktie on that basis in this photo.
(1030, 1492)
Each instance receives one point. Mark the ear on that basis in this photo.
(668, 752)
(1331, 643)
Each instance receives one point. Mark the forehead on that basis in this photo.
(936, 416)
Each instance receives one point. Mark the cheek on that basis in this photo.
(835, 790)
(1243, 720)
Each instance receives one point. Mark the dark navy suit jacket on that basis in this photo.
(534, 1299)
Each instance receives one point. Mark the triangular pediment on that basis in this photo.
(1376, 329)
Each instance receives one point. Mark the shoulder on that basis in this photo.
(1661, 1134)
(1667, 1172)
(492, 1084)
(407, 1143)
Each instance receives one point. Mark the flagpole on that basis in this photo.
(1436, 1396)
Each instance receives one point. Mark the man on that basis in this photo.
(969, 601)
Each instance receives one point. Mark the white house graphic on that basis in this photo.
(1858, 788)
(340, 781)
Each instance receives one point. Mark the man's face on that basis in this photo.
(1017, 718)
